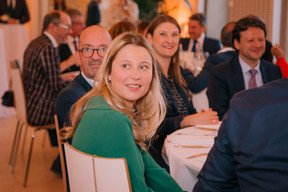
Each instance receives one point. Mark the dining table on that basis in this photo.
(186, 150)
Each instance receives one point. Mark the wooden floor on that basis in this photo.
(40, 178)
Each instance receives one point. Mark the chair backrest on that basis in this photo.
(18, 89)
(93, 173)
(61, 153)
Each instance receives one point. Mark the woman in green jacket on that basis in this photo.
(117, 117)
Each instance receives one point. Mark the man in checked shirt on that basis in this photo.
(41, 69)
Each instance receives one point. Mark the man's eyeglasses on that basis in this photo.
(64, 26)
(89, 52)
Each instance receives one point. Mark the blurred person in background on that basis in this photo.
(120, 27)
(14, 12)
(93, 13)
(68, 49)
(164, 34)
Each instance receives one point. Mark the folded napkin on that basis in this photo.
(190, 139)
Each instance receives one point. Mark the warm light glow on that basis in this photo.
(181, 10)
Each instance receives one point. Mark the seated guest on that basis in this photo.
(281, 62)
(197, 28)
(226, 53)
(120, 27)
(123, 111)
(13, 11)
(93, 43)
(41, 69)
(164, 35)
(246, 70)
(67, 50)
(250, 152)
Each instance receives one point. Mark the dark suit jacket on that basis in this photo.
(250, 152)
(210, 45)
(20, 11)
(200, 82)
(70, 95)
(93, 14)
(172, 119)
(227, 79)
(65, 53)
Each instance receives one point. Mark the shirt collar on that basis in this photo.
(90, 81)
(245, 67)
(52, 39)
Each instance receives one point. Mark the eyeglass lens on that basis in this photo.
(88, 52)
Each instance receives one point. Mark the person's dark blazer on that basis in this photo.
(68, 96)
(250, 151)
(20, 11)
(200, 82)
(172, 119)
(210, 45)
(65, 53)
(226, 79)
(93, 14)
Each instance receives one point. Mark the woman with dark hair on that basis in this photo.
(164, 35)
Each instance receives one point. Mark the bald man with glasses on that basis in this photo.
(93, 43)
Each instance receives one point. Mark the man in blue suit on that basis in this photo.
(197, 84)
(198, 41)
(93, 43)
(246, 70)
(250, 152)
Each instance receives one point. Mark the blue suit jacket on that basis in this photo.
(250, 152)
(200, 82)
(210, 45)
(226, 79)
(70, 95)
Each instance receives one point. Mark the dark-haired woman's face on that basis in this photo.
(165, 39)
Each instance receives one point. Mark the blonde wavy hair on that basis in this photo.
(150, 109)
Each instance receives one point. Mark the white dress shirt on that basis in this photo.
(247, 75)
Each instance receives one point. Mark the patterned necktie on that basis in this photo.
(252, 81)
(194, 46)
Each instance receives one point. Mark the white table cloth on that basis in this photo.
(184, 143)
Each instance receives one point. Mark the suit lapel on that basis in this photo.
(237, 75)
(83, 82)
(263, 72)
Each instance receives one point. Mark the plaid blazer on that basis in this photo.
(42, 81)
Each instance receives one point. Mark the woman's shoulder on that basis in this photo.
(98, 103)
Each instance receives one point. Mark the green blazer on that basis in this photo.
(106, 132)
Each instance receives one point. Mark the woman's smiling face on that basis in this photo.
(131, 73)
(165, 39)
